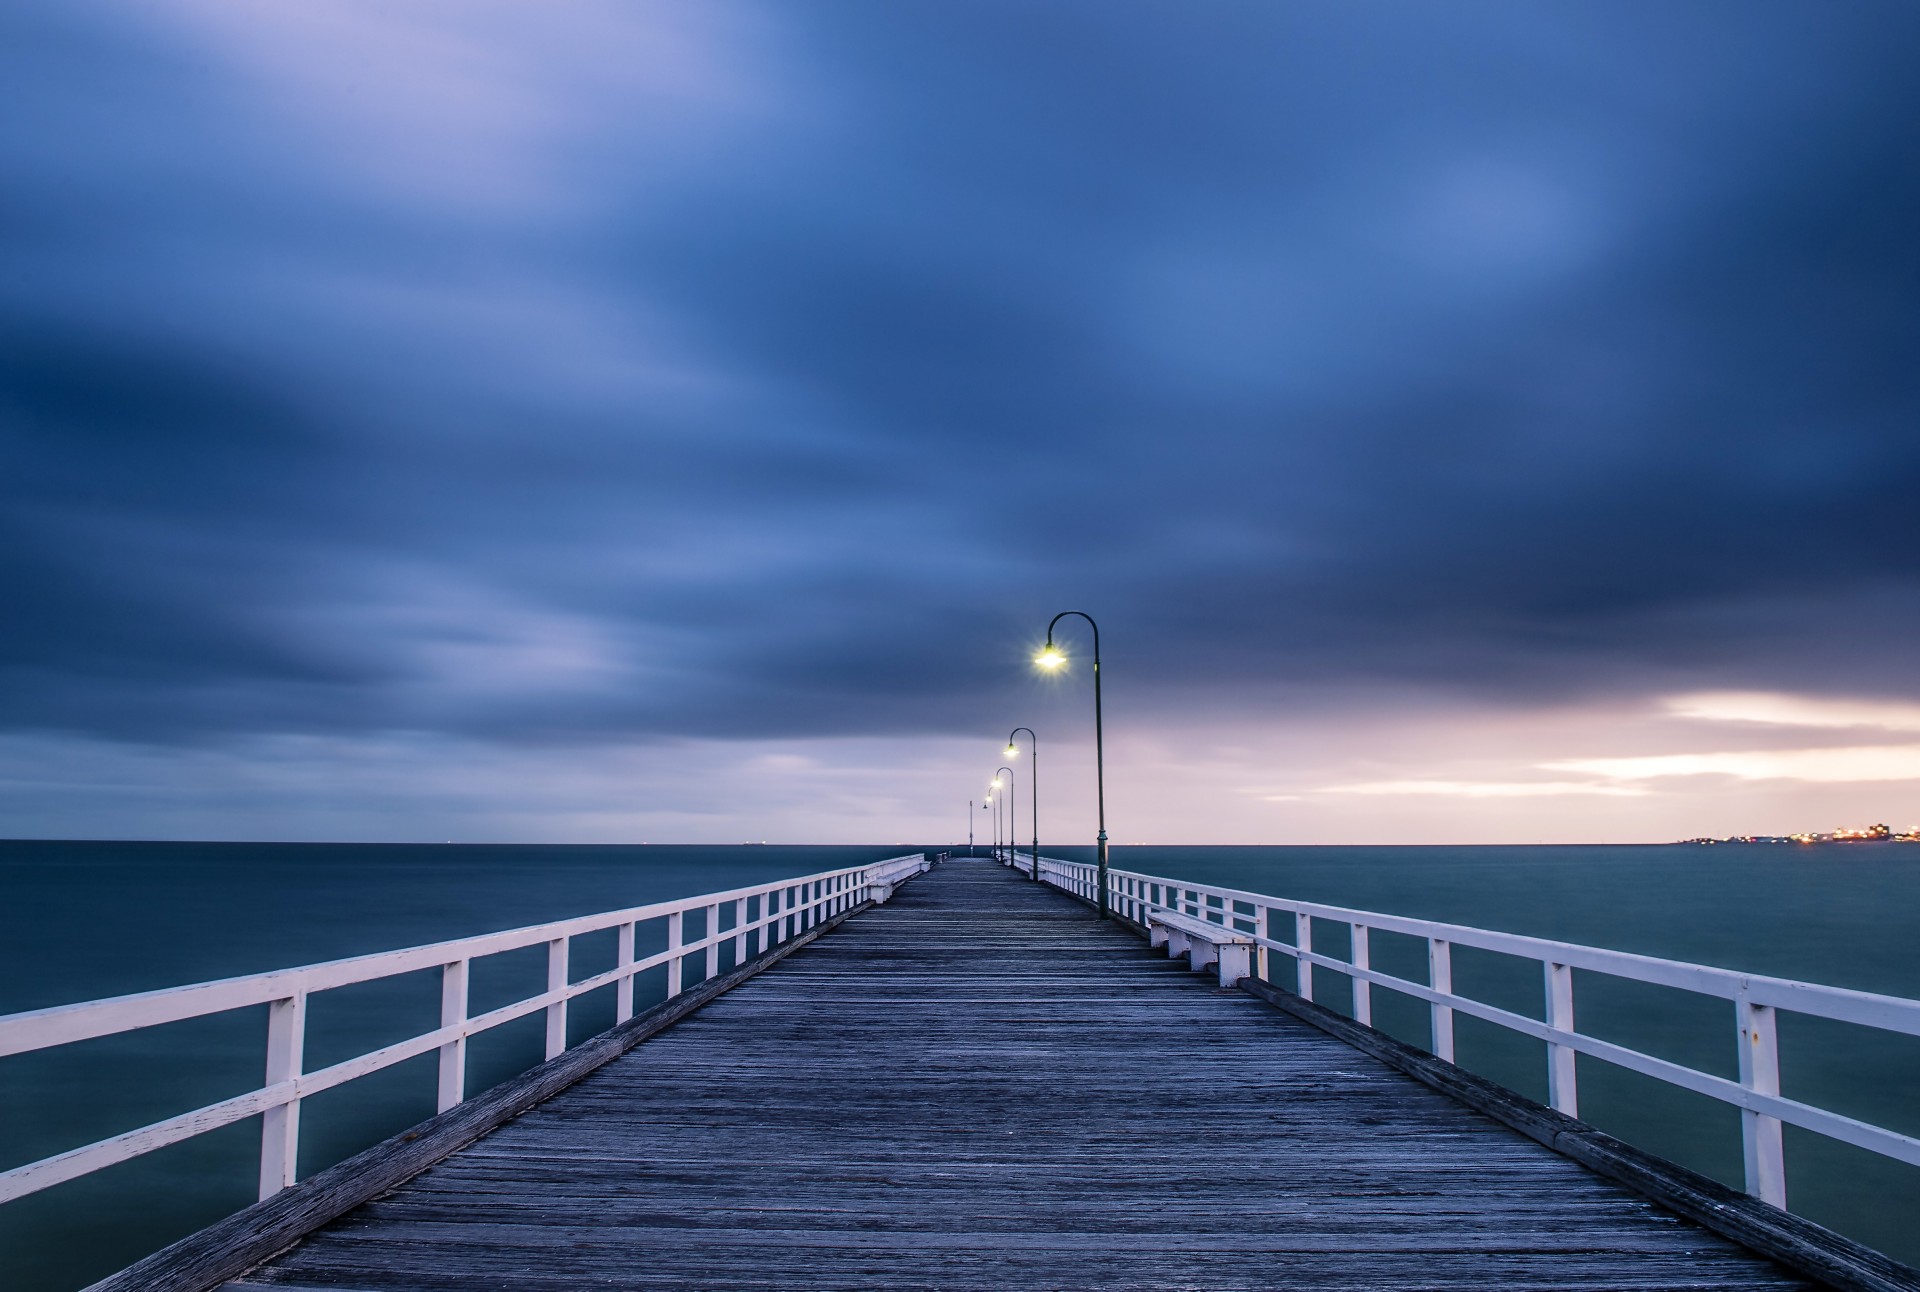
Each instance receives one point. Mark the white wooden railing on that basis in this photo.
(762, 916)
(1755, 998)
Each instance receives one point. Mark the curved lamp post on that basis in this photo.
(1011, 803)
(1013, 751)
(1051, 657)
(969, 827)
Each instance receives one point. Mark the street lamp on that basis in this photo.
(1051, 658)
(969, 827)
(1011, 804)
(1013, 751)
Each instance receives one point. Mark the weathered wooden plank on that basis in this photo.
(231, 1246)
(972, 1086)
(1793, 1240)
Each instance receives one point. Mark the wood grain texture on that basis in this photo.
(1831, 1258)
(206, 1259)
(972, 1087)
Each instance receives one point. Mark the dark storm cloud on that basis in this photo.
(777, 372)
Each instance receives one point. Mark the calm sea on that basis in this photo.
(82, 920)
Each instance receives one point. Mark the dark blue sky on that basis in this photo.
(662, 420)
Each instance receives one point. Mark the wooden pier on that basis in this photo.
(978, 1084)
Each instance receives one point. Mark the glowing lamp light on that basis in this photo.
(1012, 752)
(1051, 658)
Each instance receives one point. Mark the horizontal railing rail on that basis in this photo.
(763, 916)
(1755, 998)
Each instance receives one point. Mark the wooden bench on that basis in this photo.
(1203, 944)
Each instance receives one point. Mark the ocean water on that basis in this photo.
(83, 920)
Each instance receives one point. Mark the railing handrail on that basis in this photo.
(1862, 1007)
(39, 1029)
(1755, 998)
(786, 907)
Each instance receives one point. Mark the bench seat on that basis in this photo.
(1204, 944)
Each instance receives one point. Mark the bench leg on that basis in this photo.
(1204, 954)
(1176, 943)
(1156, 935)
(1236, 962)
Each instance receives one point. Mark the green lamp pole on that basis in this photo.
(1013, 751)
(1052, 657)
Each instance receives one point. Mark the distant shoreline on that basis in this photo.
(1870, 834)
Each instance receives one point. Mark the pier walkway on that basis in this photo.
(979, 1085)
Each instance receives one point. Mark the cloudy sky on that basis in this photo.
(1468, 422)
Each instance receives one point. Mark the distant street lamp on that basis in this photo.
(1051, 657)
(1011, 803)
(1013, 751)
(969, 827)
(989, 802)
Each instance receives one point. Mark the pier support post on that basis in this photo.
(623, 990)
(1303, 941)
(1440, 978)
(453, 1055)
(1766, 1168)
(1362, 989)
(1561, 1091)
(556, 1012)
(280, 1125)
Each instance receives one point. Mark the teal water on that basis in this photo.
(83, 920)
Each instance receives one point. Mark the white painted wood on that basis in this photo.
(740, 931)
(1204, 943)
(673, 954)
(453, 1013)
(1262, 969)
(280, 1127)
(285, 992)
(63, 1024)
(1362, 989)
(1303, 943)
(1561, 1090)
(712, 938)
(1440, 974)
(557, 986)
(1234, 961)
(623, 960)
(1760, 1135)
(1761, 992)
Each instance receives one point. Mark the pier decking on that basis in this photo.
(978, 1084)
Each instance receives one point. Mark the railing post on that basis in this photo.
(1261, 969)
(711, 936)
(556, 981)
(623, 988)
(1760, 1072)
(1303, 940)
(1362, 989)
(280, 1126)
(453, 1055)
(1561, 1092)
(674, 921)
(739, 932)
(1440, 978)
